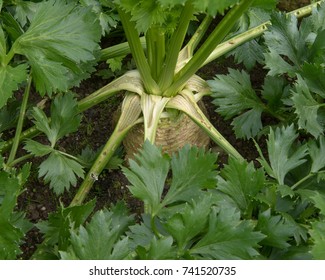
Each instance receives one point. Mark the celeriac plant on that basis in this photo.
(50, 51)
(164, 79)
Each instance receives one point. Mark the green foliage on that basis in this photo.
(228, 237)
(101, 239)
(60, 169)
(290, 50)
(12, 223)
(56, 229)
(61, 38)
(233, 94)
(242, 182)
(192, 170)
(10, 79)
(282, 156)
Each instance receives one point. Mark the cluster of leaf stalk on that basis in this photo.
(164, 80)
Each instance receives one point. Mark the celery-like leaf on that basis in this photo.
(60, 40)
(102, 238)
(64, 118)
(56, 229)
(290, 46)
(13, 224)
(158, 249)
(282, 156)
(319, 200)
(227, 237)
(242, 182)
(278, 232)
(190, 221)
(192, 170)
(284, 39)
(233, 94)
(10, 78)
(148, 175)
(317, 155)
(60, 172)
(317, 235)
(307, 109)
(37, 148)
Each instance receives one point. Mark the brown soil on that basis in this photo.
(97, 125)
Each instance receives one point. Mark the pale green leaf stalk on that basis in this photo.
(152, 108)
(130, 116)
(186, 103)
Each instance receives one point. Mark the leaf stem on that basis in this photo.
(208, 46)
(196, 38)
(155, 39)
(254, 32)
(20, 123)
(305, 179)
(137, 52)
(175, 46)
(118, 50)
(130, 113)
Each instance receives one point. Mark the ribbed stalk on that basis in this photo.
(20, 123)
(207, 48)
(175, 46)
(130, 113)
(253, 33)
(118, 50)
(197, 37)
(155, 41)
(138, 54)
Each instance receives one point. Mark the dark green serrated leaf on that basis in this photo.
(9, 115)
(102, 238)
(242, 182)
(9, 190)
(158, 249)
(249, 54)
(290, 46)
(56, 229)
(283, 38)
(193, 169)
(233, 95)
(65, 118)
(190, 221)
(148, 175)
(37, 148)
(60, 39)
(317, 153)
(319, 200)
(108, 18)
(11, 26)
(283, 156)
(275, 89)
(24, 11)
(227, 237)
(213, 7)
(140, 235)
(10, 79)
(61, 172)
(13, 225)
(307, 109)
(10, 239)
(318, 237)
(278, 232)
(314, 76)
